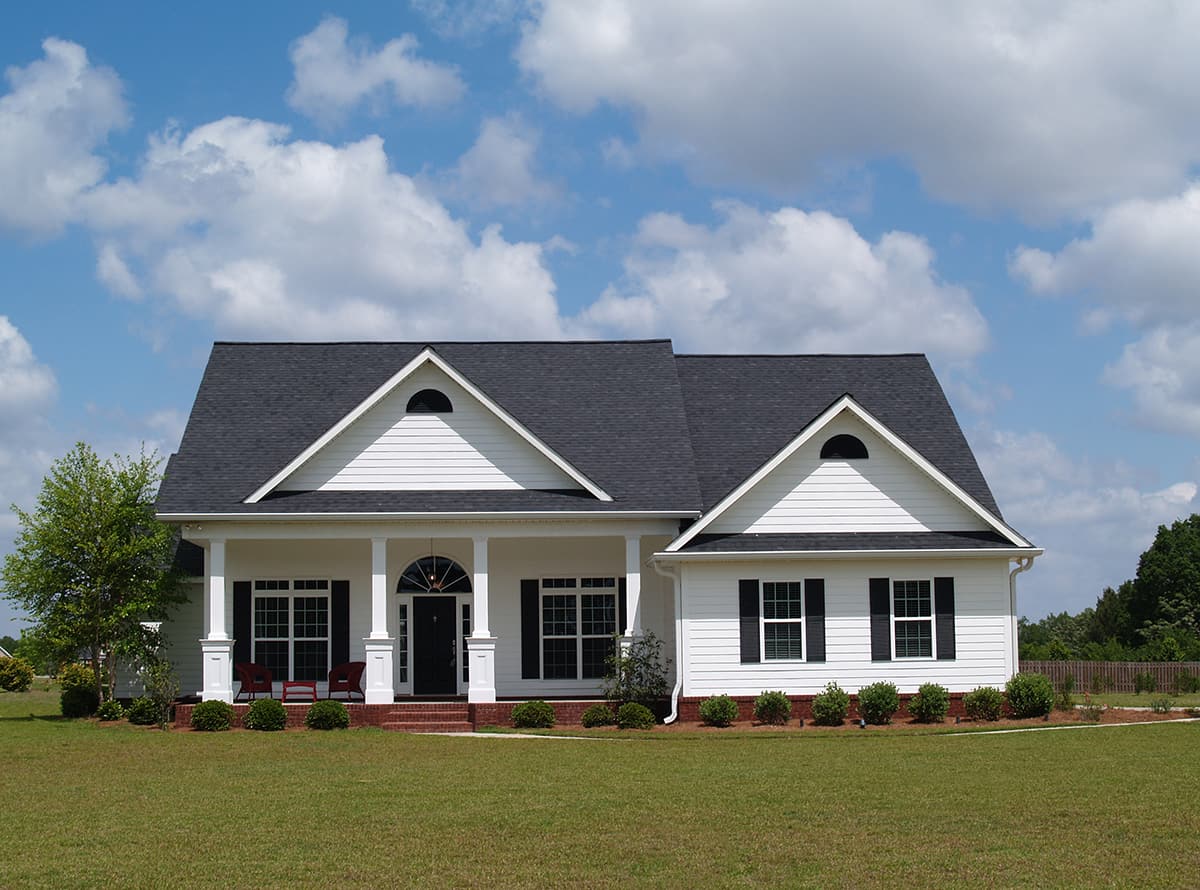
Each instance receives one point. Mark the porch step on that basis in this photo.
(428, 726)
(423, 716)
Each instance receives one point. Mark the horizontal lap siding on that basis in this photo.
(711, 618)
(884, 493)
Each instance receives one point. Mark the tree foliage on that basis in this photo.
(91, 562)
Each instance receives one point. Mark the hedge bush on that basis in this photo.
(719, 710)
(831, 706)
(773, 708)
(79, 702)
(930, 704)
(878, 702)
(536, 714)
(598, 715)
(1030, 695)
(1186, 683)
(266, 715)
(110, 710)
(1144, 682)
(634, 715)
(327, 714)
(16, 674)
(143, 711)
(76, 676)
(212, 716)
(985, 703)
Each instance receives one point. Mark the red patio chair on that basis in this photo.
(347, 678)
(254, 679)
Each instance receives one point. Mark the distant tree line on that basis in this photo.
(1153, 617)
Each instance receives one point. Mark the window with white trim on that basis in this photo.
(783, 620)
(402, 644)
(912, 618)
(290, 635)
(579, 620)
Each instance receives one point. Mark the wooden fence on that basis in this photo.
(1112, 676)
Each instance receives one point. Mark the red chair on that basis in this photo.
(347, 678)
(254, 679)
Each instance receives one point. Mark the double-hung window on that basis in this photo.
(912, 618)
(291, 628)
(783, 620)
(579, 619)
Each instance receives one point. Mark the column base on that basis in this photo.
(379, 678)
(218, 670)
(481, 655)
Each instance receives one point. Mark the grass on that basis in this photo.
(1134, 700)
(89, 804)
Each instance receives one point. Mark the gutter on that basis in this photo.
(1024, 564)
(729, 555)
(673, 573)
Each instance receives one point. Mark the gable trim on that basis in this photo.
(847, 403)
(427, 355)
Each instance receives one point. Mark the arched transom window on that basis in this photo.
(434, 574)
(844, 447)
(429, 401)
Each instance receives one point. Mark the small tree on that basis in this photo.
(92, 563)
(637, 673)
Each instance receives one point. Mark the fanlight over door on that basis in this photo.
(434, 574)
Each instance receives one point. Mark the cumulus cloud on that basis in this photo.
(27, 393)
(787, 280)
(59, 111)
(469, 19)
(1051, 109)
(25, 383)
(334, 74)
(272, 237)
(499, 169)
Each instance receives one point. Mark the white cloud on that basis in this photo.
(498, 170)
(789, 281)
(275, 238)
(115, 274)
(59, 111)
(469, 19)
(1162, 369)
(334, 74)
(1094, 520)
(27, 393)
(25, 383)
(1051, 109)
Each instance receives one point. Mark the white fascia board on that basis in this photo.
(732, 555)
(549, 516)
(847, 403)
(427, 355)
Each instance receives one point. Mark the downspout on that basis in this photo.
(673, 573)
(1024, 564)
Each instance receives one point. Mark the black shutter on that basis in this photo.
(881, 620)
(622, 606)
(339, 622)
(748, 615)
(531, 626)
(241, 621)
(814, 617)
(943, 607)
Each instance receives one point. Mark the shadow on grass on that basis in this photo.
(31, 717)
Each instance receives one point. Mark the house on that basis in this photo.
(480, 520)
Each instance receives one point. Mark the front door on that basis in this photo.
(434, 646)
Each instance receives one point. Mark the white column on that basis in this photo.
(216, 648)
(379, 646)
(481, 645)
(633, 586)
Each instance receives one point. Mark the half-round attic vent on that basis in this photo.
(844, 447)
(429, 401)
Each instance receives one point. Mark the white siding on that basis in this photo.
(884, 493)
(388, 450)
(711, 627)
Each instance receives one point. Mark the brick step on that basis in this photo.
(456, 707)
(427, 717)
(427, 726)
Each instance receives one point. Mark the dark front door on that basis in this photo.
(434, 649)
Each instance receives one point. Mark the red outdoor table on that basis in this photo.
(300, 690)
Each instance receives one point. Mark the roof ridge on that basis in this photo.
(431, 342)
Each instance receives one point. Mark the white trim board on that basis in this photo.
(427, 356)
(731, 555)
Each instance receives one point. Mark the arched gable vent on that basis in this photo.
(844, 447)
(429, 401)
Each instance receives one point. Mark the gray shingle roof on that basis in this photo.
(847, 541)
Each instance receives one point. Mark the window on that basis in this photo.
(783, 622)
(434, 574)
(844, 447)
(466, 632)
(291, 628)
(912, 619)
(402, 644)
(429, 401)
(579, 620)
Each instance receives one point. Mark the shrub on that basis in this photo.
(534, 714)
(720, 710)
(162, 686)
(143, 712)
(1102, 683)
(1186, 683)
(633, 715)
(1065, 701)
(1030, 695)
(110, 710)
(598, 715)
(266, 715)
(773, 708)
(1161, 705)
(79, 702)
(16, 674)
(878, 702)
(327, 714)
(985, 703)
(76, 676)
(1144, 682)
(1090, 713)
(639, 673)
(930, 704)
(831, 706)
(212, 716)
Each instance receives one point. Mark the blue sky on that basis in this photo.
(1013, 191)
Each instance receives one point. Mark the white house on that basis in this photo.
(480, 519)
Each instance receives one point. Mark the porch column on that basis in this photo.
(379, 646)
(216, 648)
(633, 586)
(481, 645)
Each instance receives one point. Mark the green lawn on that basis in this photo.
(1132, 700)
(92, 805)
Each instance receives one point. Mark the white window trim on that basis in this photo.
(290, 595)
(763, 621)
(932, 619)
(579, 636)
